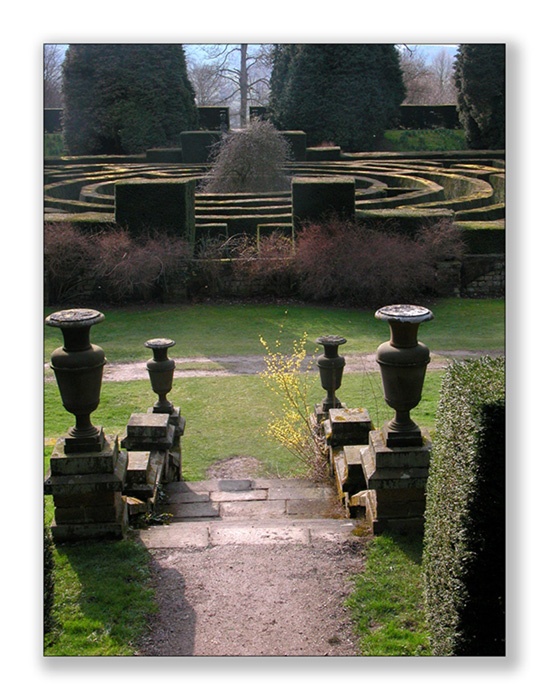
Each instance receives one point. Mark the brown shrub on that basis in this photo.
(348, 262)
(110, 266)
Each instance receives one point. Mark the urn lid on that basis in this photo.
(74, 318)
(405, 313)
(331, 340)
(159, 343)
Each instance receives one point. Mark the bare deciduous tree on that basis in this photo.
(53, 60)
(232, 74)
(427, 81)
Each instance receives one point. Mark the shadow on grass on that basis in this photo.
(104, 599)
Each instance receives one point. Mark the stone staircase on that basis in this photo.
(249, 511)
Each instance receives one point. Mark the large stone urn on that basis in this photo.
(331, 366)
(78, 367)
(403, 362)
(161, 369)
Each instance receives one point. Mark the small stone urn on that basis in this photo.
(331, 367)
(161, 370)
(403, 362)
(78, 367)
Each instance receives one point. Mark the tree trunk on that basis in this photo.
(243, 84)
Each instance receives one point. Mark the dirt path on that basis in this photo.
(230, 365)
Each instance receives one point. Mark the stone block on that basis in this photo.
(348, 426)
(235, 484)
(251, 509)
(391, 477)
(226, 496)
(76, 485)
(399, 457)
(149, 431)
(191, 511)
(79, 513)
(101, 462)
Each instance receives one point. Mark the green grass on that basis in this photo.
(102, 598)
(228, 416)
(234, 329)
(425, 140)
(386, 603)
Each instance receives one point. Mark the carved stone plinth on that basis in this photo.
(87, 492)
(395, 481)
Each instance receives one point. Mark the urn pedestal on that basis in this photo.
(153, 438)
(330, 366)
(403, 362)
(78, 368)
(395, 462)
(87, 468)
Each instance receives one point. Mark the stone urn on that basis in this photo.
(161, 370)
(403, 362)
(331, 366)
(78, 367)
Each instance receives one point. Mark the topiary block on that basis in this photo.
(167, 206)
(318, 198)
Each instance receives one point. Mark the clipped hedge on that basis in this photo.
(161, 205)
(196, 146)
(464, 546)
(213, 118)
(317, 198)
(404, 221)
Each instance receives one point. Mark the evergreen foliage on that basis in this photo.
(480, 81)
(125, 98)
(464, 544)
(347, 94)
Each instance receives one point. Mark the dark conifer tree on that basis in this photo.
(480, 81)
(125, 98)
(347, 94)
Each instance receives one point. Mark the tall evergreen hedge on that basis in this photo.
(464, 546)
(480, 81)
(347, 94)
(125, 98)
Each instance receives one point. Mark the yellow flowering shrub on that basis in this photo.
(288, 375)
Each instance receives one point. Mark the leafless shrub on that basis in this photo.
(110, 265)
(252, 160)
(349, 262)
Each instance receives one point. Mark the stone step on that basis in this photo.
(250, 498)
(202, 534)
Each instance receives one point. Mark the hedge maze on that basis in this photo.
(404, 188)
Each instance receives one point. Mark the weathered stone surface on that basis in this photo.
(148, 425)
(79, 484)
(392, 477)
(226, 496)
(348, 426)
(398, 457)
(235, 484)
(251, 509)
(101, 462)
(205, 509)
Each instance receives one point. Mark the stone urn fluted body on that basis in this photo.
(403, 362)
(331, 366)
(78, 367)
(161, 369)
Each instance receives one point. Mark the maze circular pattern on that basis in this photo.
(462, 182)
